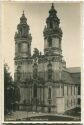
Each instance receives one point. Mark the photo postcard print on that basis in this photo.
(42, 61)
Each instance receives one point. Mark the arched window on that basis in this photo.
(78, 90)
(49, 93)
(35, 70)
(50, 42)
(49, 71)
(24, 31)
(28, 49)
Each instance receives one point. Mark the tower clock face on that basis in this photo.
(55, 42)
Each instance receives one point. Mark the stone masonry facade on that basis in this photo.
(44, 81)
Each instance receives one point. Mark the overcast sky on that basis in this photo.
(36, 14)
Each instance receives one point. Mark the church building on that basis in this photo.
(44, 81)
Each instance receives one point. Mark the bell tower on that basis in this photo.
(52, 34)
(23, 39)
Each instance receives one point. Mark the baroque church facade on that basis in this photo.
(44, 81)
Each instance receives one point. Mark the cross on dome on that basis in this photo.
(52, 6)
(23, 19)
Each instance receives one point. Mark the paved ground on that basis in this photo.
(34, 116)
(76, 112)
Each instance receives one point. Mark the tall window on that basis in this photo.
(49, 93)
(35, 70)
(50, 42)
(78, 90)
(35, 90)
(63, 90)
(19, 48)
(49, 71)
(28, 49)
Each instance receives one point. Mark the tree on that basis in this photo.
(36, 52)
(8, 89)
(11, 92)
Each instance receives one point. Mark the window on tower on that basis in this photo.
(19, 48)
(28, 49)
(35, 70)
(51, 25)
(50, 42)
(78, 90)
(49, 71)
